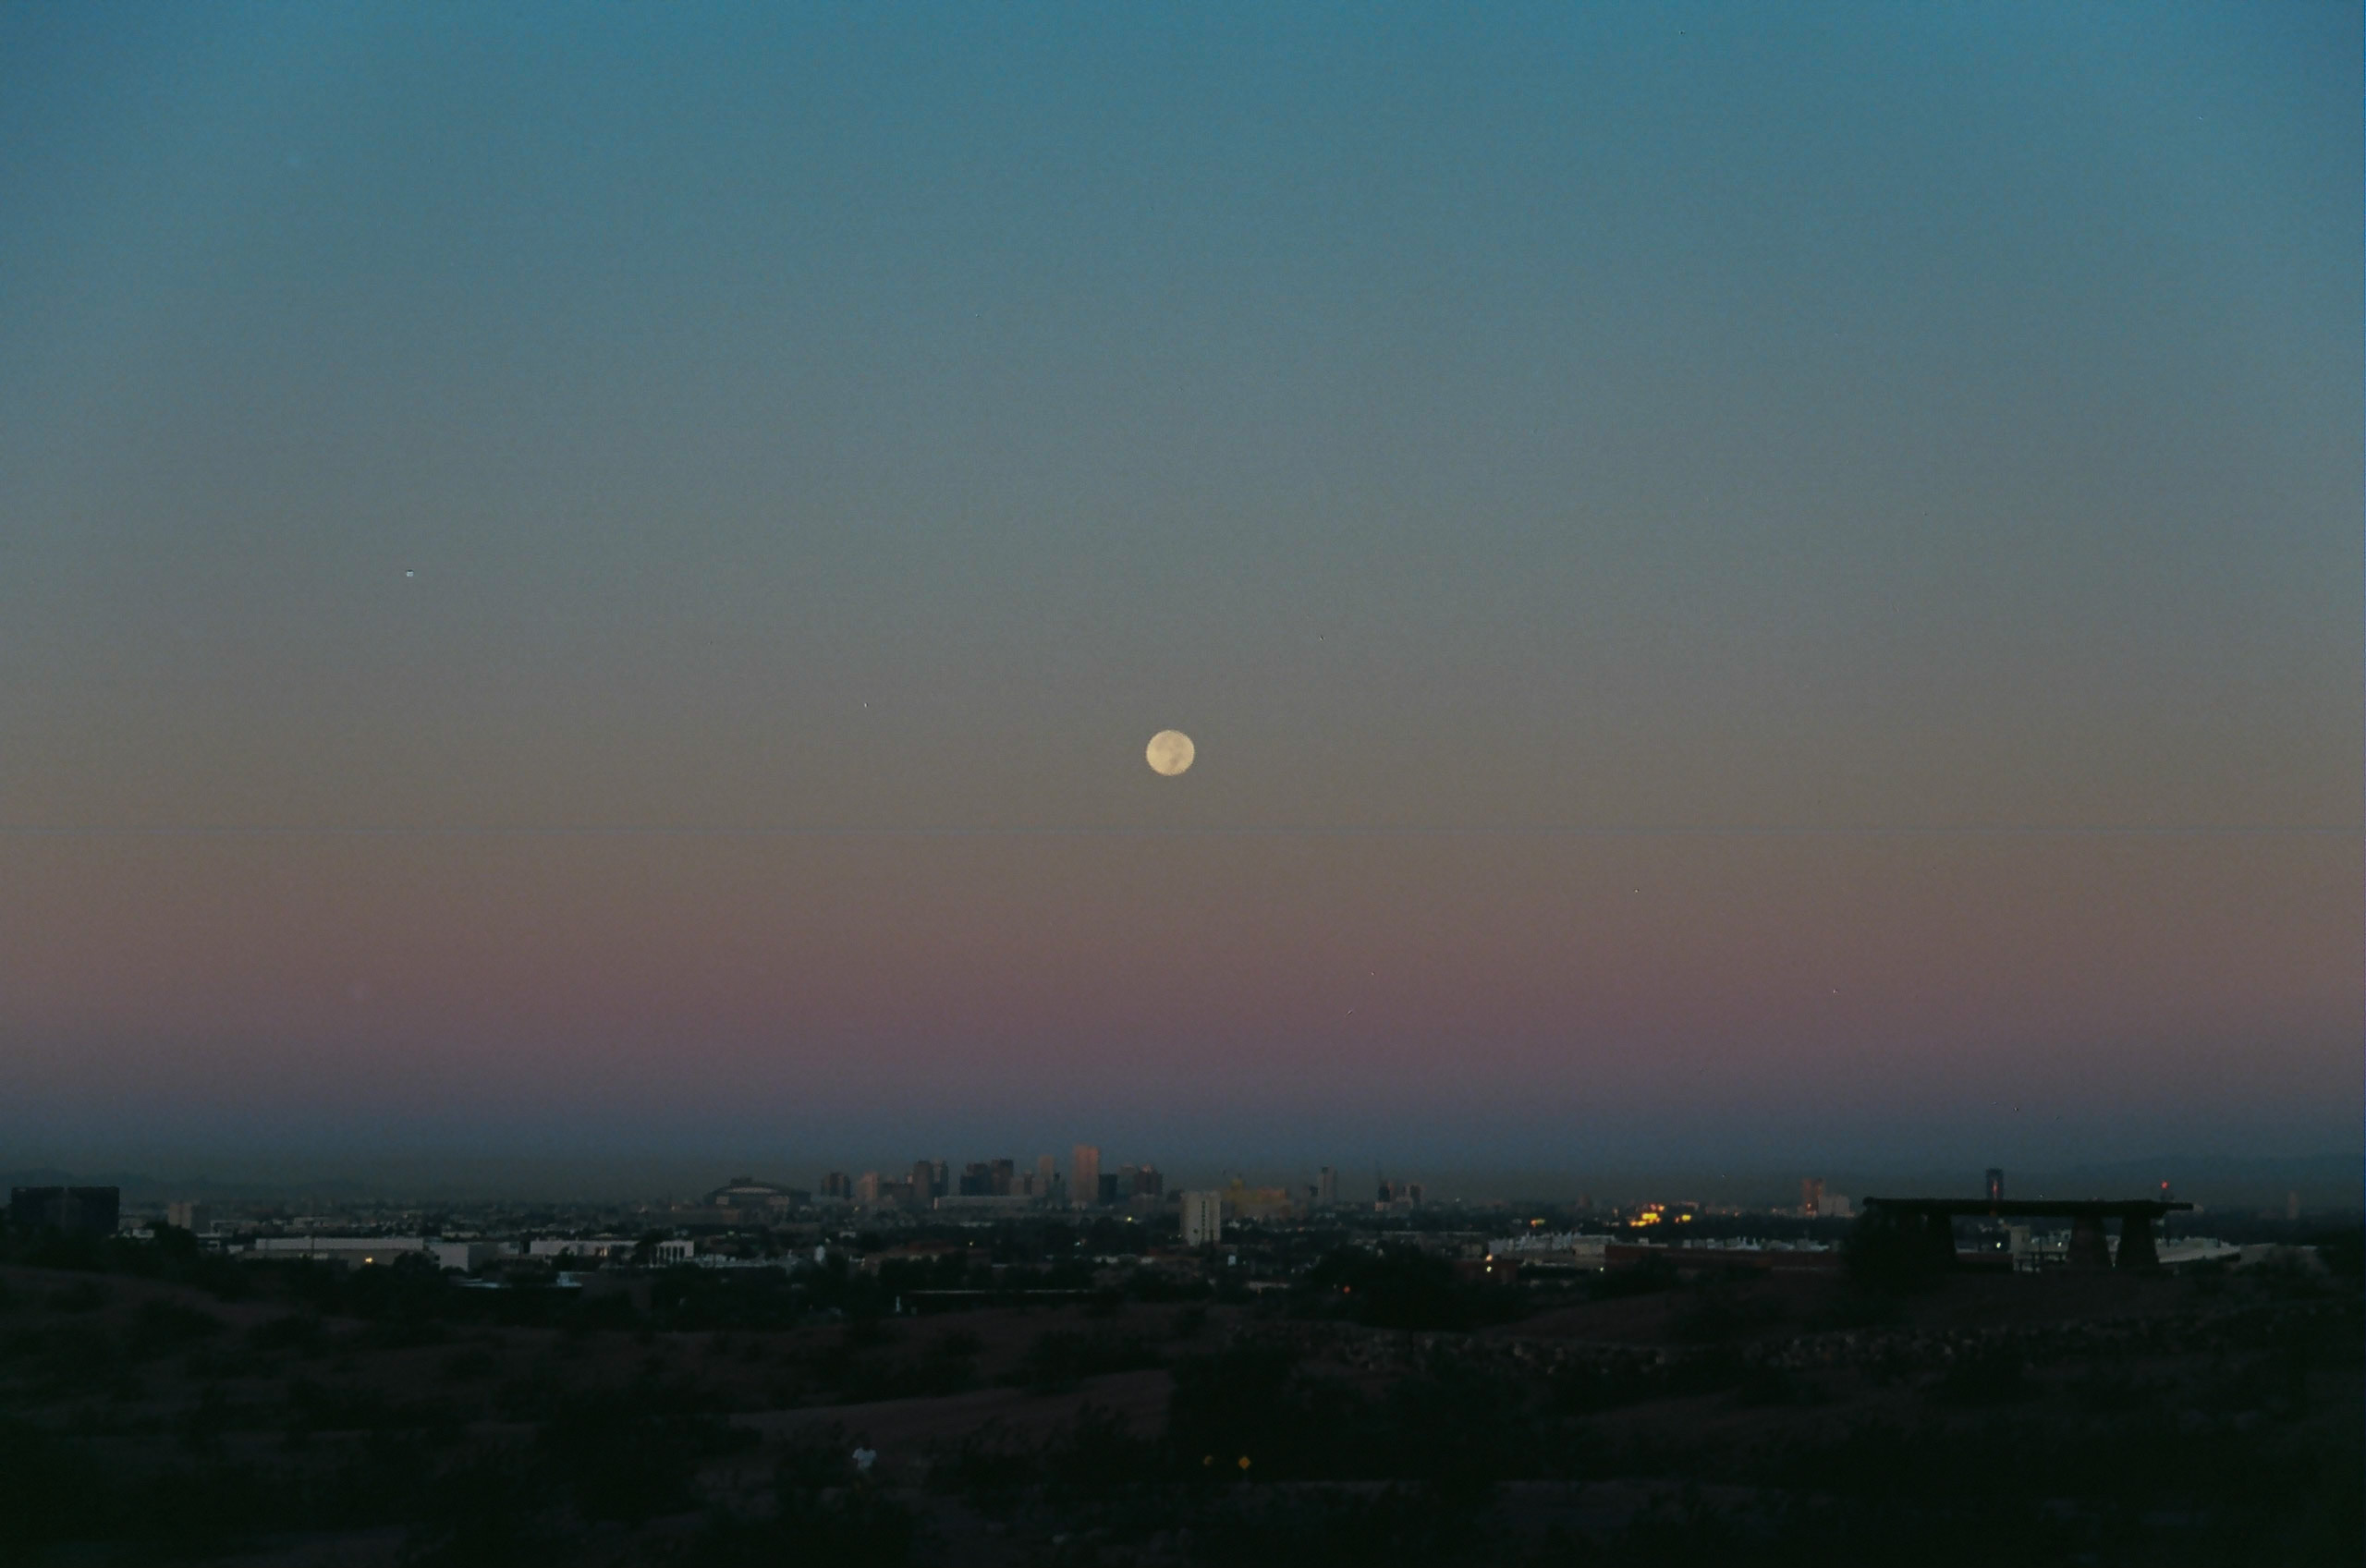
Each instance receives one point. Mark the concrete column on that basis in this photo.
(1939, 1235)
(2136, 1249)
(2088, 1246)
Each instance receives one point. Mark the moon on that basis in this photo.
(1170, 752)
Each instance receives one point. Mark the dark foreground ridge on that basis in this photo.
(1376, 1404)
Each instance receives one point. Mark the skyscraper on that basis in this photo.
(1811, 1195)
(924, 1188)
(1996, 1184)
(1046, 1169)
(1084, 1175)
(1326, 1188)
(87, 1212)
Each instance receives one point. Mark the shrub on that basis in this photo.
(1252, 1400)
(163, 1326)
(193, 1512)
(857, 1528)
(616, 1463)
(1721, 1310)
(1098, 1454)
(1061, 1359)
(1994, 1375)
(300, 1331)
(50, 1491)
(468, 1365)
(478, 1510)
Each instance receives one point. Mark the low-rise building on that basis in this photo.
(984, 1203)
(374, 1251)
(1569, 1249)
(611, 1249)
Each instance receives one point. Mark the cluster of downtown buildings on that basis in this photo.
(985, 1188)
(991, 1184)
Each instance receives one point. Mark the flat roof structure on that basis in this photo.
(2088, 1246)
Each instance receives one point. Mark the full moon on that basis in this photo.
(1170, 751)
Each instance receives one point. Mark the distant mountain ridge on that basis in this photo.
(44, 1177)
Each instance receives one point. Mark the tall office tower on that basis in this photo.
(1046, 1169)
(1203, 1218)
(835, 1184)
(1084, 1175)
(1811, 1195)
(1004, 1171)
(1326, 1188)
(924, 1182)
(866, 1189)
(977, 1179)
(1996, 1184)
(940, 1180)
(78, 1211)
(1413, 1194)
(1148, 1183)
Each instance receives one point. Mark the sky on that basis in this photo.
(1749, 583)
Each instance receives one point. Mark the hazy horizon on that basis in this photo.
(2320, 1182)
